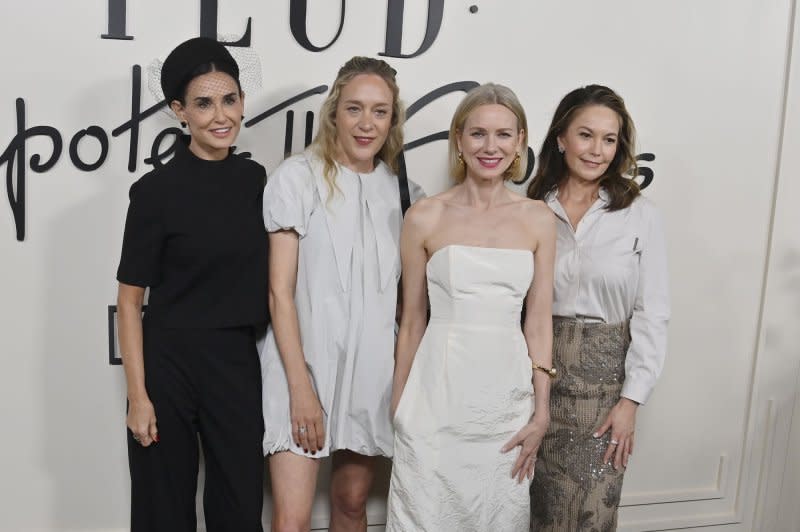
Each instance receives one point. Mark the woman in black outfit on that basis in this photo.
(194, 235)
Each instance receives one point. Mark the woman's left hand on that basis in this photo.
(621, 421)
(529, 438)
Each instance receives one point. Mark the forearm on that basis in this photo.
(646, 353)
(408, 340)
(539, 337)
(541, 396)
(286, 328)
(129, 319)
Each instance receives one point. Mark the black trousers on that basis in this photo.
(204, 382)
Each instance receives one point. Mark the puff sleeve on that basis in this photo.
(289, 197)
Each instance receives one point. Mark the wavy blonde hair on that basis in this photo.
(324, 144)
(486, 94)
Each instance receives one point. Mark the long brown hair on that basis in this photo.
(552, 170)
(324, 144)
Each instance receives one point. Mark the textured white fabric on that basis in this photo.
(611, 268)
(469, 391)
(348, 267)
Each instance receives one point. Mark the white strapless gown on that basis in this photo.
(468, 393)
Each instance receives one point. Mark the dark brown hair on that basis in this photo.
(552, 170)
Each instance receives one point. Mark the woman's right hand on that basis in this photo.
(528, 439)
(141, 421)
(308, 429)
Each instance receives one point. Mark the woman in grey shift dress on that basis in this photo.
(333, 217)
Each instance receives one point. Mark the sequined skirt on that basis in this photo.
(572, 488)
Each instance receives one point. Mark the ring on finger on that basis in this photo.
(614, 442)
(301, 430)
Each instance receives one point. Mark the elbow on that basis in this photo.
(130, 300)
(538, 325)
(279, 300)
(412, 326)
(418, 328)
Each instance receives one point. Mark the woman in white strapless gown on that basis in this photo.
(467, 422)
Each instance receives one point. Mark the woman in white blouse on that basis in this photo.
(611, 308)
(333, 215)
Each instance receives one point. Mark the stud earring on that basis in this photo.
(560, 148)
(183, 124)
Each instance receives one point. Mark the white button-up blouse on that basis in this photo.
(612, 268)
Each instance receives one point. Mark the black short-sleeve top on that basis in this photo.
(195, 235)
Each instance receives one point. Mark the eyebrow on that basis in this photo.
(481, 128)
(359, 102)
(205, 98)
(592, 131)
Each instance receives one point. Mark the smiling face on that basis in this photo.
(590, 142)
(489, 141)
(363, 121)
(213, 113)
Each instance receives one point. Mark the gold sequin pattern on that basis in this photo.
(573, 490)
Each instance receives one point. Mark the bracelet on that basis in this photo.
(550, 372)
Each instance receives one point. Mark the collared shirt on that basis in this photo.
(612, 268)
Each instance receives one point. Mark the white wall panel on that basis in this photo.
(706, 82)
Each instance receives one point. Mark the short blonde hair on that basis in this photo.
(486, 94)
(324, 144)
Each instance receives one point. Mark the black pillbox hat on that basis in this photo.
(189, 55)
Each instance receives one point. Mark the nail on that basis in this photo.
(155, 438)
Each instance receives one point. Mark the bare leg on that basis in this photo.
(351, 479)
(294, 480)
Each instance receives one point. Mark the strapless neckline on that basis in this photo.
(486, 248)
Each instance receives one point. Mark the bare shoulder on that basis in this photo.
(536, 211)
(425, 211)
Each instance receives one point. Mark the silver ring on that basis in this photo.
(135, 437)
(614, 442)
(301, 430)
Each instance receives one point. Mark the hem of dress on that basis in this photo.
(279, 447)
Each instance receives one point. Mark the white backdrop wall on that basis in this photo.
(712, 85)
